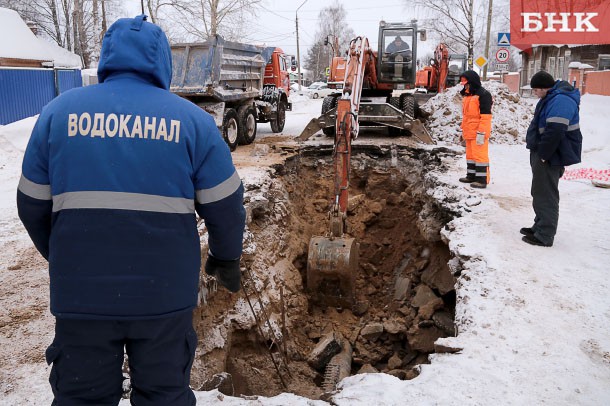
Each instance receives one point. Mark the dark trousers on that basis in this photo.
(87, 358)
(545, 195)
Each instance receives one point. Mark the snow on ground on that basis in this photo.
(533, 321)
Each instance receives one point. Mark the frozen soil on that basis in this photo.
(405, 296)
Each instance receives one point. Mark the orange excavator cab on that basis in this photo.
(442, 72)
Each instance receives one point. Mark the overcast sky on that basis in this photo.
(275, 24)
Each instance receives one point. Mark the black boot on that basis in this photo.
(467, 179)
(480, 182)
(527, 231)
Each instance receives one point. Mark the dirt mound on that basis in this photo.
(511, 115)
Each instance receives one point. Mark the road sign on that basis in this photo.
(502, 55)
(504, 39)
(480, 61)
(503, 67)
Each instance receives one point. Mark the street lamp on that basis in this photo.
(298, 52)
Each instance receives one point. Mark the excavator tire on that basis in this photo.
(408, 104)
(393, 131)
(329, 103)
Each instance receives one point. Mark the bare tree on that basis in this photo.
(332, 23)
(201, 19)
(458, 25)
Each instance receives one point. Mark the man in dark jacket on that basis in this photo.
(112, 177)
(554, 141)
(476, 129)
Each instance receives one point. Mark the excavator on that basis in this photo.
(443, 71)
(364, 96)
(387, 70)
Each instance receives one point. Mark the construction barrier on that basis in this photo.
(599, 177)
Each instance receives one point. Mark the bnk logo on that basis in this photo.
(562, 22)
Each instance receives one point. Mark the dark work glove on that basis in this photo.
(226, 272)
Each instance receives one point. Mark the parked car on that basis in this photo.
(318, 89)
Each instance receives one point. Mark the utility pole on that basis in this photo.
(298, 52)
(489, 13)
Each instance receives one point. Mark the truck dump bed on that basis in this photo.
(220, 70)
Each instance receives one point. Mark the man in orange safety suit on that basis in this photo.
(476, 129)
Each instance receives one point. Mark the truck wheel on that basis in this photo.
(329, 103)
(247, 121)
(277, 125)
(230, 128)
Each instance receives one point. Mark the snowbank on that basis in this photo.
(511, 115)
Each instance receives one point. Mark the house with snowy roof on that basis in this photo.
(32, 70)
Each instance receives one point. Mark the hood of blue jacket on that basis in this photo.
(564, 88)
(135, 46)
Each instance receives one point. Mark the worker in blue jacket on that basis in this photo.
(112, 178)
(555, 141)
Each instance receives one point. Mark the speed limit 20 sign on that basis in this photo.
(502, 55)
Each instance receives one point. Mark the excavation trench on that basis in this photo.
(404, 290)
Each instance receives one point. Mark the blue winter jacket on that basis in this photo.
(554, 133)
(112, 177)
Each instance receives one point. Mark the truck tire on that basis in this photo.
(277, 125)
(230, 128)
(247, 125)
(329, 103)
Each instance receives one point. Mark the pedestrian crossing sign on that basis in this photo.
(504, 39)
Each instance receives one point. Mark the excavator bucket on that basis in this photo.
(419, 131)
(331, 271)
(310, 129)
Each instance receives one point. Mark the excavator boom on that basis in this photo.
(332, 261)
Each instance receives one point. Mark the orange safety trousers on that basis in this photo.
(473, 122)
(477, 160)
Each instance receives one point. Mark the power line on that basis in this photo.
(276, 14)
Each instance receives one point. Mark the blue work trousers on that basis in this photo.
(87, 358)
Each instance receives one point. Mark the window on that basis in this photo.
(603, 62)
(551, 66)
(560, 65)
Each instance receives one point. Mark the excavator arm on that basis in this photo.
(347, 127)
(441, 54)
(332, 262)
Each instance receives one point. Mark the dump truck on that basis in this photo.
(384, 97)
(240, 85)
